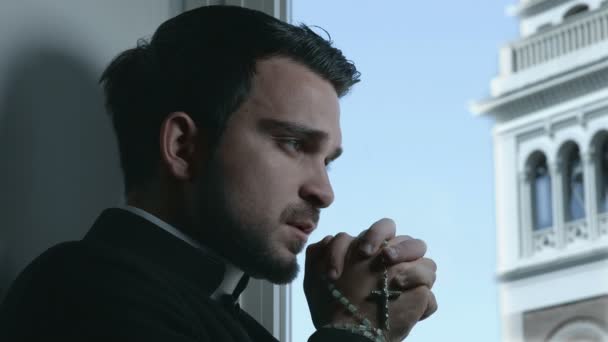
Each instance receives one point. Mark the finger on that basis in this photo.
(326, 240)
(315, 251)
(372, 239)
(398, 239)
(431, 306)
(337, 249)
(421, 272)
(383, 259)
(408, 309)
(405, 250)
(388, 251)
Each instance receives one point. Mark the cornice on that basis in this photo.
(550, 92)
(538, 268)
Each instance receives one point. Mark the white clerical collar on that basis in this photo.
(233, 274)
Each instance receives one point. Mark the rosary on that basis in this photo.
(383, 296)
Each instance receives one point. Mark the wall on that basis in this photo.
(540, 324)
(59, 165)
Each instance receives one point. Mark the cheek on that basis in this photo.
(257, 187)
(260, 178)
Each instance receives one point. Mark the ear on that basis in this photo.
(181, 149)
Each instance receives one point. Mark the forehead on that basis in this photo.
(287, 90)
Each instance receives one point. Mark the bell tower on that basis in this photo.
(549, 104)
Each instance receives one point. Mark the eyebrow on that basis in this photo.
(298, 130)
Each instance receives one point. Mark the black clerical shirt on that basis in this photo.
(128, 280)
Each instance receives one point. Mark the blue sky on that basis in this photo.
(413, 151)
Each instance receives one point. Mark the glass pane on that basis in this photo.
(602, 179)
(541, 192)
(575, 192)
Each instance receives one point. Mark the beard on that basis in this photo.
(234, 234)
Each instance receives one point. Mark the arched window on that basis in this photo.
(579, 329)
(602, 175)
(578, 9)
(542, 207)
(574, 186)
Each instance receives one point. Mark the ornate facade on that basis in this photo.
(550, 107)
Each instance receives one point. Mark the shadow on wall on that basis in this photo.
(59, 164)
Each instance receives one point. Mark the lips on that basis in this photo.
(306, 227)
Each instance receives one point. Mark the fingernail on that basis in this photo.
(366, 248)
(392, 253)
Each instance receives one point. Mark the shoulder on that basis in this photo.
(83, 287)
(80, 267)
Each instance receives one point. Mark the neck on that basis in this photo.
(232, 275)
(160, 204)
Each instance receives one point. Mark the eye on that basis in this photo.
(292, 144)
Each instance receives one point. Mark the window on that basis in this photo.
(574, 187)
(542, 208)
(602, 175)
(578, 9)
(579, 329)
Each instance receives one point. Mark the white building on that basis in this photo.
(550, 107)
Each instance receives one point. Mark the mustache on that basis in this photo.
(301, 212)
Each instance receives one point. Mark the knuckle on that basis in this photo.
(327, 239)
(403, 280)
(416, 246)
(382, 225)
(423, 291)
(341, 236)
(403, 268)
(387, 221)
(309, 249)
(423, 244)
(432, 303)
(430, 264)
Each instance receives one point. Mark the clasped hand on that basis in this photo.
(355, 266)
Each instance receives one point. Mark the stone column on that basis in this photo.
(513, 327)
(589, 168)
(557, 193)
(525, 209)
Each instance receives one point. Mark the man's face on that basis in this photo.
(260, 198)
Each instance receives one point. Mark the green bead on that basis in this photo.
(352, 308)
(336, 293)
(344, 301)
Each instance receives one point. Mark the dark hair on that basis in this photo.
(202, 62)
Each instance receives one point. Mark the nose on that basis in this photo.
(318, 190)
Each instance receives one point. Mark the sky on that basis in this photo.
(413, 151)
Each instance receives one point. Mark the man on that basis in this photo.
(226, 121)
